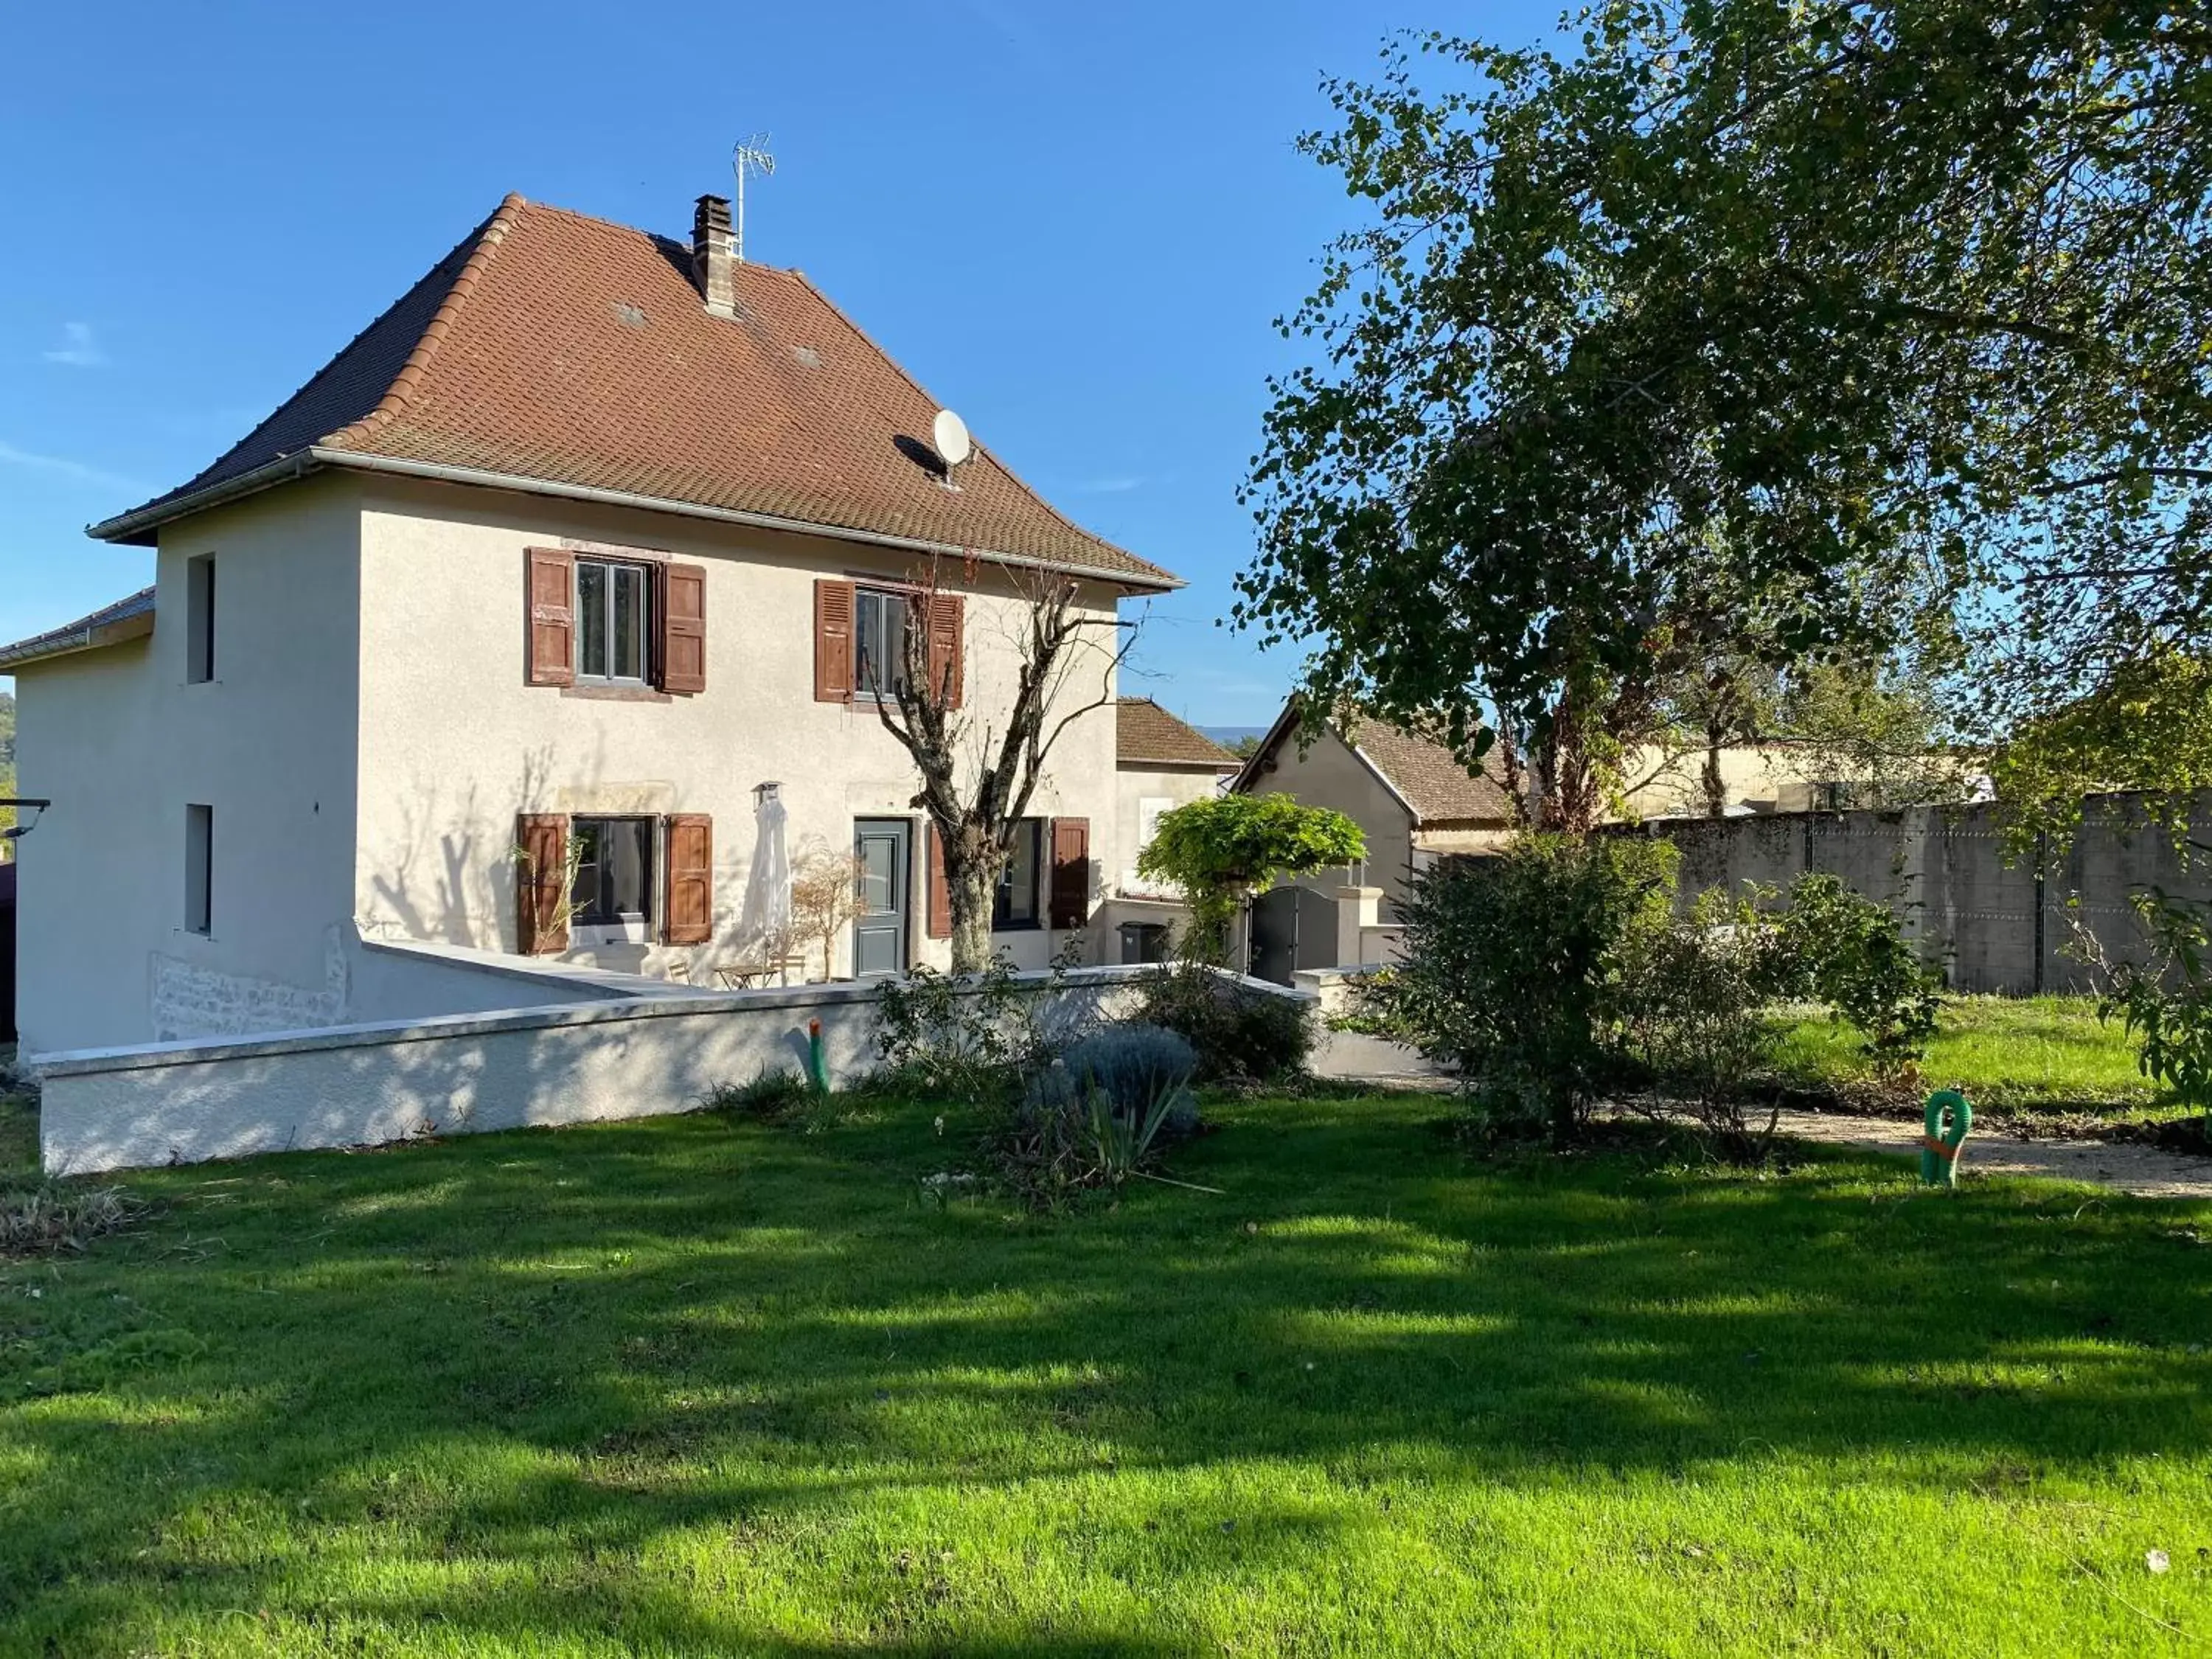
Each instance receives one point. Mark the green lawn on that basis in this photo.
(2033, 1056)
(691, 1387)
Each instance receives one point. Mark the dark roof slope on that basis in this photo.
(125, 619)
(561, 349)
(1147, 731)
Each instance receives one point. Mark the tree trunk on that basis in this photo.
(971, 893)
(1715, 785)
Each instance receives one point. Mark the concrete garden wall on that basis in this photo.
(632, 1056)
(1992, 924)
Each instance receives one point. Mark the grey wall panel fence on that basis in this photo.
(1992, 925)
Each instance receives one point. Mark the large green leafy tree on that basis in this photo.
(1752, 329)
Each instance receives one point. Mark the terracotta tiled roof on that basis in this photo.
(1433, 781)
(1147, 731)
(565, 350)
(1425, 773)
(126, 618)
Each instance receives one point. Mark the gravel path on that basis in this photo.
(2145, 1171)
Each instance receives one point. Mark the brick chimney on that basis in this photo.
(714, 257)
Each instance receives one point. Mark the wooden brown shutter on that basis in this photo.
(688, 900)
(1070, 872)
(833, 642)
(940, 889)
(684, 629)
(947, 657)
(541, 872)
(550, 608)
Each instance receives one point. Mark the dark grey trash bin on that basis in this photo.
(1144, 941)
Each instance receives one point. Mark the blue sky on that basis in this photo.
(1073, 224)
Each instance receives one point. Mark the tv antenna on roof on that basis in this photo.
(751, 156)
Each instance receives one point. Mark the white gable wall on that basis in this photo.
(1329, 773)
(1147, 788)
(121, 743)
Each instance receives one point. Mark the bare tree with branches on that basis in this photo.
(980, 767)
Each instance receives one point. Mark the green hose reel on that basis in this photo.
(1940, 1146)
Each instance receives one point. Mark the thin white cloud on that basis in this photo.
(78, 349)
(1121, 485)
(60, 466)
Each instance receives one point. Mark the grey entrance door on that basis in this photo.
(880, 930)
(1292, 927)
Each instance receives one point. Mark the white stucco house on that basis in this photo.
(1161, 762)
(575, 551)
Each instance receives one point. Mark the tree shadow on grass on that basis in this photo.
(562, 1355)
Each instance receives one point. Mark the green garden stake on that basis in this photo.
(1938, 1147)
(817, 1073)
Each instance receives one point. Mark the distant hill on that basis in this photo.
(1238, 740)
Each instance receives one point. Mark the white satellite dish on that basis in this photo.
(954, 446)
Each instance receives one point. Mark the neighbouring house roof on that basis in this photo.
(553, 350)
(1433, 782)
(1146, 734)
(127, 619)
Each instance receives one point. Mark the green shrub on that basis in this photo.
(1221, 850)
(966, 1038)
(1096, 1116)
(1241, 1035)
(1693, 1028)
(1134, 1067)
(1512, 972)
(2166, 1000)
(771, 1098)
(1849, 952)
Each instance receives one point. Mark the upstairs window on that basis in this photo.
(614, 871)
(880, 624)
(613, 622)
(199, 619)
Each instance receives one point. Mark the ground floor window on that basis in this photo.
(614, 871)
(1016, 904)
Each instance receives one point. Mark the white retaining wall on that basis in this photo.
(640, 1056)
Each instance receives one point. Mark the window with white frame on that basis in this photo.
(880, 625)
(614, 602)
